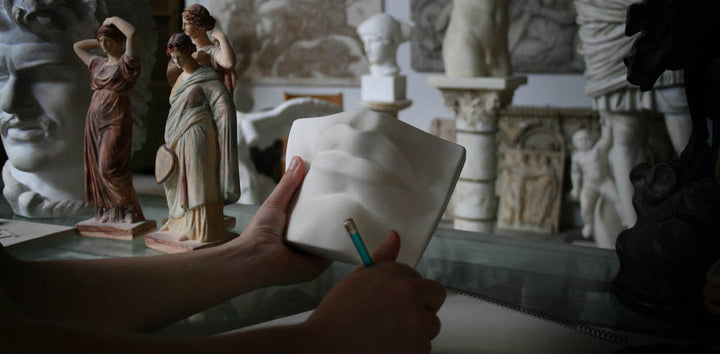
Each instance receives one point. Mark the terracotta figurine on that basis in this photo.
(108, 126)
(214, 50)
(200, 135)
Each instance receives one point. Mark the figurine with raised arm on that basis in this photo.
(108, 133)
(590, 172)
(198, 163)
(213, 49)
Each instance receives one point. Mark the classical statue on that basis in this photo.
(213, 49)
(200, 137)
(381, 34)
(590, 173)
(604, 46)
(476, 41)
(108, 125)
(45, 98)
(668, 259)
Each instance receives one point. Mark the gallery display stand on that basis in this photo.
(476, 102)
(391, 108)
(167, 242)
(115, 231)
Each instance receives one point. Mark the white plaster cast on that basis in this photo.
(261, 130)
(476, 40)
(383, 173)
(590, 174)
(44, 96)
(381, 34)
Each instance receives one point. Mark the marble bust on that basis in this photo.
(383, 173)
(476, 40)
(381, 35)
(39, 76)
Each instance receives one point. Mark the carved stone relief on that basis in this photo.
(531, 192)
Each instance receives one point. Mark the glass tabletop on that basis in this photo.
(558, 282)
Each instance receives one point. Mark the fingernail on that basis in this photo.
(294, 163)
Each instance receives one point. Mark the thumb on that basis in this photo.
(387, 251)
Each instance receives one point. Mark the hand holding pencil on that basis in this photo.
(385, 308)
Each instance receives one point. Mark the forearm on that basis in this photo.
(122, 293)
(31, 336)
(226, 57)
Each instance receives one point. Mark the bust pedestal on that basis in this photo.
(476, 102)
(391, 108)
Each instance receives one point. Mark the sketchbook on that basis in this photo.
(18, 235)
(472, 325)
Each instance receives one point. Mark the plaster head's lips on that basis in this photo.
(24, 130)
(373, 155)
(341, 163)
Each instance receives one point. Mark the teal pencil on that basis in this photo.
(352, 230)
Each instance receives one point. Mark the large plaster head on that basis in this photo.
(38, 80)
(381, 34)
(383, 173)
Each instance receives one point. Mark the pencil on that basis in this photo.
(352, 230)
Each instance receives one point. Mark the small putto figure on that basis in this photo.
(201, 174)
(108, 126)
(590, 173)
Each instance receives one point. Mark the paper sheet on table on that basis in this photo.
(471, 325)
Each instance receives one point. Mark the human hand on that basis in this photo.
(264, 241)
(712, 289)
(109, 21)
(386, 308)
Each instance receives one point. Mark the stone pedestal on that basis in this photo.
(115, 231)
(476, 102)
(383, 88)
(391, 108)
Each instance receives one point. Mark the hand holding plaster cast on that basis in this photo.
(476, 41)
(590, 173)
(381, 172)
(381, 35)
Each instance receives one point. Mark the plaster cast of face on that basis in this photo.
(36, 123)
(383, 173)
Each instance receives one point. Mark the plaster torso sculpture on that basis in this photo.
(590, 173)
(108, 126)
(476, 41)
(200, 130)
(381, 172)
(381, 34)
(40, 129)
